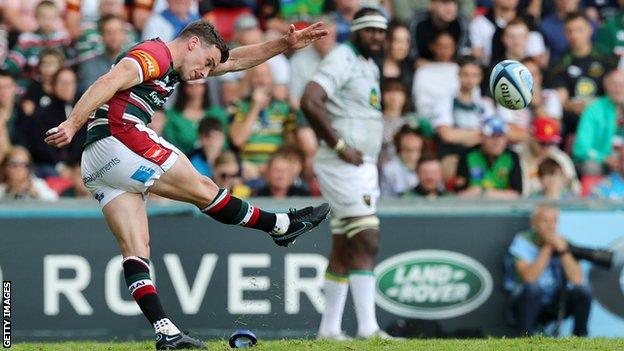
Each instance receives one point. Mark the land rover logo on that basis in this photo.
(431, 284)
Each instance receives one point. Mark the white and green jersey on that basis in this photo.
(354, 100)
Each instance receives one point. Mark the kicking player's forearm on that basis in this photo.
(248, 56)
(97, 94)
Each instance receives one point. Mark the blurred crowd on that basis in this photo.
(443, 133)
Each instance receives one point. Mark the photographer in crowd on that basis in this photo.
(543, 277)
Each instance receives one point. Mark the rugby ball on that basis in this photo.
(511, 84)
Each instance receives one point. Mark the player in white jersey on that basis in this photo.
(342, 102)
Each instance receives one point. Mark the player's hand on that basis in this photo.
(60, 136)
(298, 39)
(351, 155)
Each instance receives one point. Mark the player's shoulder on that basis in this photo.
(341, 54)
(151, 45)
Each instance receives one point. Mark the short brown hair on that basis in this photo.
(548, 167)
(208, 34)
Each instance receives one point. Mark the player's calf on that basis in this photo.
(284, 228)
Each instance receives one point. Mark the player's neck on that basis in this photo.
(176, 49)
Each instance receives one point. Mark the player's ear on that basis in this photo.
(193, 42)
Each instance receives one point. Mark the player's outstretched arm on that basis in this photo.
(248, 56)
(122, 76)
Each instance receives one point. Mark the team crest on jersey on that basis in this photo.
(374, 99)
(367, 199)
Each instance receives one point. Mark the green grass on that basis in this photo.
(537, 344)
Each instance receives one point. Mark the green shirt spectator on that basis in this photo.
(191, 106)
(269, 131)
(182, 132)
(594, 138)
(610, 40)
(90, 43)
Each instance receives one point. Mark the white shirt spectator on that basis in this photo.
(482, 32)
(396, 178)
(39, 187)
(434, 82)
(523, 117)
(303, 65)
(450, 112)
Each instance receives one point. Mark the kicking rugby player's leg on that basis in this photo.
(182, 182)
(127, 219)
(336, 288)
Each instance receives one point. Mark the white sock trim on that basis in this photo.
(165, 326)
(282, 223)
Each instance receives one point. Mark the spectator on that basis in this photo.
(551, 180)
(395, 107)
(4, 43)
(21, 15)
(17, 180)
(191, 106)
(233, 84)
(280, 180)
(39, 92)
(77, 189)
(24, 56)
(599, 10)
(490, 169)
(304, 62)
(429, 173)
(112, 36)
(47, 158)
(167, 24)
(612, 186)
(345, 10)
(91, 43)
(609, 41)
(443, 16)
(578, 77)
(261, 123)
(542, 145)
(553, 29)
(514, 39)
(458, 119)
(601, 126)
(442, 70)
(211, 141)
(8, 111)
(486, 32)
(404, 10)
(539, 266)
(399, 174)
(398, 64)
(227, 174)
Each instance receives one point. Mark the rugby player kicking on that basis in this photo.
(123, 159)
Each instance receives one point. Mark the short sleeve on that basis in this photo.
(522, 249)
(333, 71)
(443, 114)
(151, 58)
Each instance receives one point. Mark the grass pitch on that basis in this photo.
(537, 344)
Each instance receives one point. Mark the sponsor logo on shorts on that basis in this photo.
(367, 200)
(143, 174)
(155, 153)
(99, 196)
(101, 172)
(431, 284)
